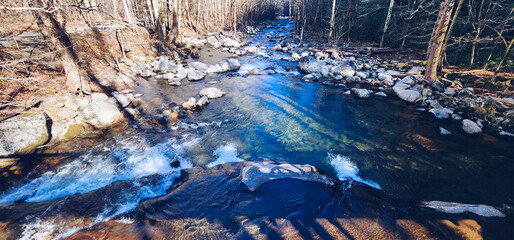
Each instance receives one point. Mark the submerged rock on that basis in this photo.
(23, 133)
(443, 131)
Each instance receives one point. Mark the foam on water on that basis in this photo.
(127, 159)
(225, 154)
(345, 168)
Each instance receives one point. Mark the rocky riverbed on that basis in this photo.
(361, 147)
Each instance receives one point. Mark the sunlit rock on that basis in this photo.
(23, 133)
(470, 127)
(212, 92)
(257, 174)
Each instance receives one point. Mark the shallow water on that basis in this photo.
(384, 142)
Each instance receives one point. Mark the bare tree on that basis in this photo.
(436, 41)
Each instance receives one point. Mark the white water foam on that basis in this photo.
(225, 154)
(130, 158)
(345, 168)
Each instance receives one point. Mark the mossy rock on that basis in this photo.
(73, 130)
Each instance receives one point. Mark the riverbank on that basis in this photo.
(168, 153)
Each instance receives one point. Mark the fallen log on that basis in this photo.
(384, 50)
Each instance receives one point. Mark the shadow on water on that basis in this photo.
(282, 118)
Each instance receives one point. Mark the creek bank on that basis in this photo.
(356, 67)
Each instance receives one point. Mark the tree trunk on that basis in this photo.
(59, 42)
(450, 29)
(332, 16)
(234, 16)
(436, 41)
(507, 50)
(350, 19)
(388, 18)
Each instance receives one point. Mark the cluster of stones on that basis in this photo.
(445, 99)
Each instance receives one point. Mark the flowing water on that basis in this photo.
(383, 142)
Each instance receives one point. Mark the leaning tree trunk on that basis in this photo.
(59, 42)
(388, 18)
(332, 16)
(450, 29)
(436, 41)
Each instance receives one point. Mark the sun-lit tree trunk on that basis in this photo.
(234, 18)
(59, 43)
(388, 18)
(477, 35)
(332, 16)
(450, 29)
(436, 41)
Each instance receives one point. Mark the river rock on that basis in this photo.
(259, 71)
(393, 73)
(441, 112)
(362, 75)
(101, 113)
(453, 207)
(23, 133)
(212, 92)
(200, 66)
(204, 100)
(361, 93)
(470, 127)
(311, 77)
(309, 64)
(123, 99)
(405, 93)
(228, 65)
(190, 104)
(195, 75)
(346, 68)
(257, 174)
(443, 131)
(195, 55)
(230, 43)
(416, 71)
(252, 50)
(213, 42)
(385, 77)
(381, 94)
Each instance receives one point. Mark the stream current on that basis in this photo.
(381, 141)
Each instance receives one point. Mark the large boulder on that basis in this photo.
(309, 64)
(212, 92)
(195, 75)
(257, 174)
(229, 42)
(404, 92)
(101, 112)
(23, 133)
(345, 68)
(200, 66)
